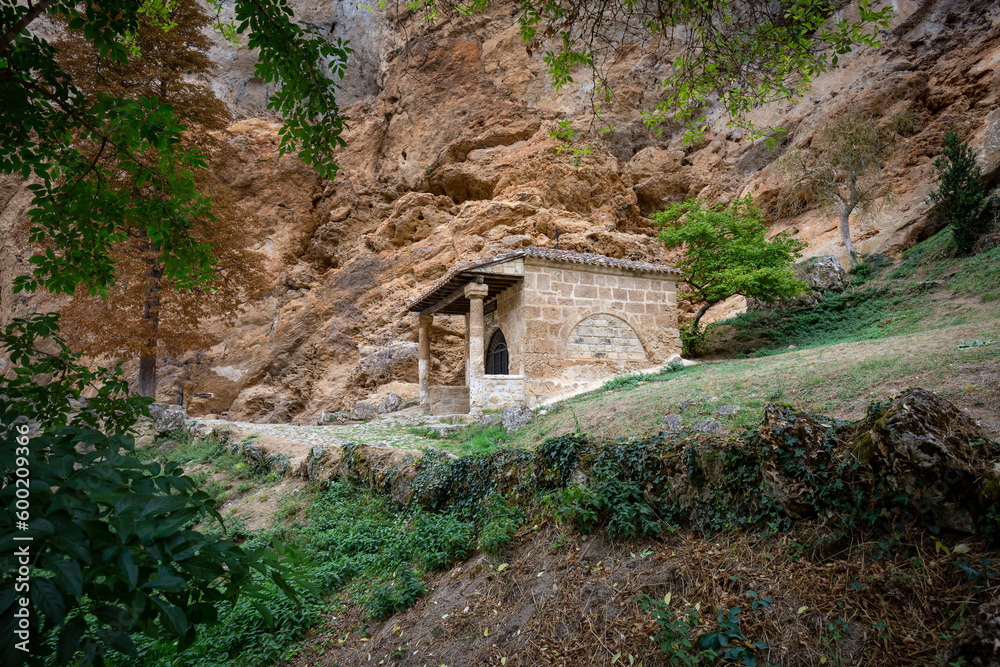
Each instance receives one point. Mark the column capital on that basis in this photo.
(476, 291)
(425, 319)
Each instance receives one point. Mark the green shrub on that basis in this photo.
(676, 634)
(613, 498)
(557, 458)
(441, 539)
(243, 636)
(397, 594)
(870, 267)
(964, 204)
(502, 521)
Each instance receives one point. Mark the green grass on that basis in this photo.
(928, 289)
(424, 432)
(354, 546)
(476, 439)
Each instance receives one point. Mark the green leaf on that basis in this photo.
(172, 617)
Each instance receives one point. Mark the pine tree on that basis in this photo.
(961, 196)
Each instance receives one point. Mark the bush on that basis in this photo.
(441, 539)
(965, 206)
(500, 525)
(613, 498)
(398, 594)
(869, 268)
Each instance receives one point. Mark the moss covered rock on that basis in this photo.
(923, 447)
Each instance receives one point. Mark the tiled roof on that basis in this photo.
(596, 260)
(550, 254)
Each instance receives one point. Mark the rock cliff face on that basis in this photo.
(449, 158)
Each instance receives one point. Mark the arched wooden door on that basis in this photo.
(496, 355)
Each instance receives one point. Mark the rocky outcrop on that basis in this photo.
(391, 403)
(364, 411)
(820, 274)
(163, 418)
(925, 448)
(515, 418)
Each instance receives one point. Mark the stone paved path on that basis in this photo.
(387, 429)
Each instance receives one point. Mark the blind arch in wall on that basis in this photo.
(604, 336)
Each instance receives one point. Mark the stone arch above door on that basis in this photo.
(497, 354)
(604, 336)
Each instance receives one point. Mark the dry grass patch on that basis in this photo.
(838, 380)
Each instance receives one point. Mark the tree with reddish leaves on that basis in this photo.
(145, 313)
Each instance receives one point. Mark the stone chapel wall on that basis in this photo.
(582, 324)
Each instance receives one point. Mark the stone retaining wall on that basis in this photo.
(448, 400)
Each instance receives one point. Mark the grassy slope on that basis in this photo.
(900, 328)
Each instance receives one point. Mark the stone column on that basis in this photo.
(424, 360)
(475, 293)
(467, 349)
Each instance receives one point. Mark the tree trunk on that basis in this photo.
(151, 322)
(699, 314)
(845, 222)
(845, 234)
(147, 376)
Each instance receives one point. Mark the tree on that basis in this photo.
(105, 164)
(740, 53)
(965, 206)
(97, 545)
(842, 168)
(110, 553)
(162, 64)
(727, 253)
(145, 313)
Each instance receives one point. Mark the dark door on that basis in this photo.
(496, 355)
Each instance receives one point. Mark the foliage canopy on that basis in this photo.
(843, 168)
(145, 313)
(102, 164)
(740, 53)
(727, 253)
(112, 551)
